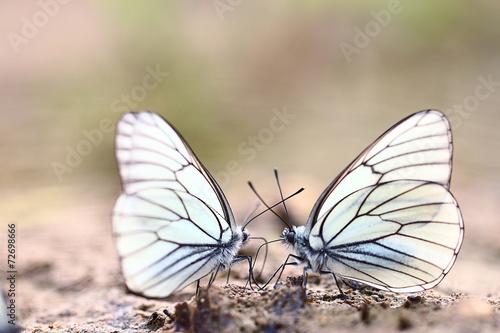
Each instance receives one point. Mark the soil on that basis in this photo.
(69, 281)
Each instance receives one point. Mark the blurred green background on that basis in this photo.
(344, 72)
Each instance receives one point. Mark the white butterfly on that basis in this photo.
(172, 224)
(388, 220)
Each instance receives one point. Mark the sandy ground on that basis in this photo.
(69, 281)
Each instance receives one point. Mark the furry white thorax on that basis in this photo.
(314, 259)
(229, 250)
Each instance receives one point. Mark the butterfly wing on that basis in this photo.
(389, 220)
(172, 218)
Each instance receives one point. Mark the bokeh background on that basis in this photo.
(226, 74)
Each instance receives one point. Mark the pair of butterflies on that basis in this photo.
(388, 220)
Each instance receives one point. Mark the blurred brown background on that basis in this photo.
(251, 85)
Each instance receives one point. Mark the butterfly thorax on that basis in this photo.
(297, 238)
(229, 249)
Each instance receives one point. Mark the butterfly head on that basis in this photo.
(293, 236)
(288, 236)
(244, 236)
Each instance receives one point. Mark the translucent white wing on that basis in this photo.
(172, 224)
(389, 220)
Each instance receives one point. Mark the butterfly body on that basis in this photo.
(228, 251)
(388, 220)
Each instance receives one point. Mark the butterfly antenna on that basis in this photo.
(250, 213)
(269, 208)
(281, 195)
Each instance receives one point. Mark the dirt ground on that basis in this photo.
(69, 281)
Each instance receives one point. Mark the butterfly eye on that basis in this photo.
(245, 236)
(289, 236)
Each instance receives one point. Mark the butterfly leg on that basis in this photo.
(250, 273)
(250, 269)
(304, 277)
(338, 286)
(257, 254)
(197, 287)
(272, 277)
(241, 258)
(342, 295)
(213, 276)
(228, 273)
(282, 268)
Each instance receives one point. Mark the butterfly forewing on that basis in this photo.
(172, 217)
(389, 220)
